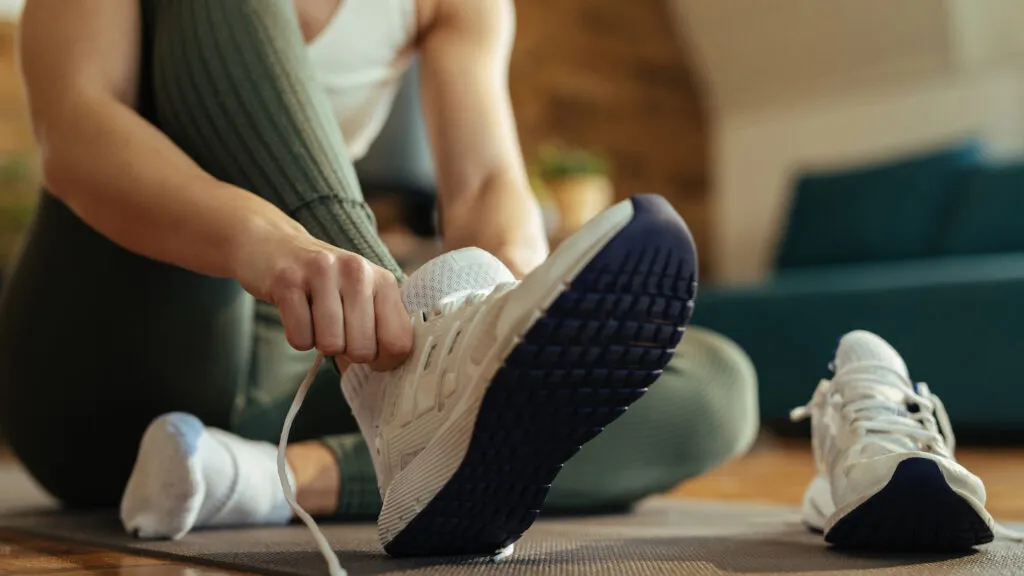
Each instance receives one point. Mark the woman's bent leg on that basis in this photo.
(95, 342)
(233, 87)
(701, 412)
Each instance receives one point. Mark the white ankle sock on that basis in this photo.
(190, 476)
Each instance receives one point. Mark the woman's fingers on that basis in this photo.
(327, 307)
(394, 329)
(356, 276)
(293, 304)
(344, 306)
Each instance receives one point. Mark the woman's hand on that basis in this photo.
(333, 300)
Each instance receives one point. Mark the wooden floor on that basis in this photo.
(774, 472)
(777, 472)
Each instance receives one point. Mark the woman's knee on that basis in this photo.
(703, 410)
(700, 413)
(717, 381)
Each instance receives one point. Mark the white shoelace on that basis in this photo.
(872, 415)
(333, 564)
(448, 304)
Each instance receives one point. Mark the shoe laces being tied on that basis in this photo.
(447, 305)
(884, 409)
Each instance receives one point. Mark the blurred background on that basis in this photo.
(844, 164)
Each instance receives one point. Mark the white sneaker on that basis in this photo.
(883, 448)
(507, 380)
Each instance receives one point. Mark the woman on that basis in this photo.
(198, 167)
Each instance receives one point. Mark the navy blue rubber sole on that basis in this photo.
(917, 511)
(598, 347)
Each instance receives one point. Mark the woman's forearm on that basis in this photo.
(128, 181)
(503, 217)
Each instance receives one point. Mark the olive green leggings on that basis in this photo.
(95, 342)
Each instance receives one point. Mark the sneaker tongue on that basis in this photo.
(862, 347)
(463, 270)
(872, 356)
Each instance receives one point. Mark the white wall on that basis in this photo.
(11, 9)
(802, 83)
(756, 154)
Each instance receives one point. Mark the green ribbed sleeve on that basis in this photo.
(233, 86)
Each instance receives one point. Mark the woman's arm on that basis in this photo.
(486, 200)
(130, 182)
(118, 172)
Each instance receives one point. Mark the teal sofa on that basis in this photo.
(926, 251)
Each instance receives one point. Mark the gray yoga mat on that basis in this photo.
(661, 537)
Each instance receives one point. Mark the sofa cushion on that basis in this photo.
(988, 213)
(881, 212)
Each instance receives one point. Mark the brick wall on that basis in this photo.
(612, 76)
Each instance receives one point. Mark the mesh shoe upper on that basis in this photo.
(438, 296)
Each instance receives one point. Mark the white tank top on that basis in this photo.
(359, 58)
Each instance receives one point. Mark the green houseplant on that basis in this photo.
(19, 192)
(577, 182)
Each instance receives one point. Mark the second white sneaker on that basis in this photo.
(883, 448)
